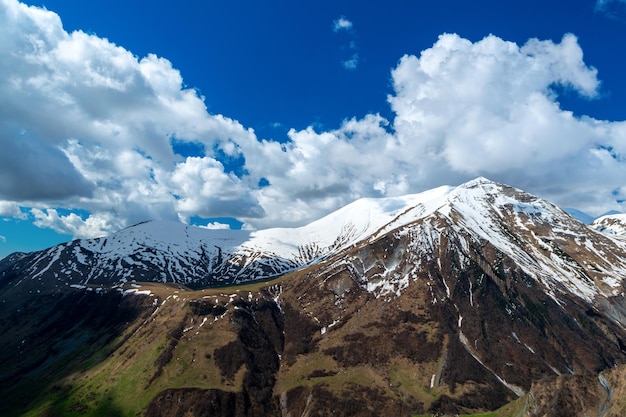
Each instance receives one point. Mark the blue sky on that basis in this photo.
(261, 114)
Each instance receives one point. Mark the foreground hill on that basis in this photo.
(456, 300)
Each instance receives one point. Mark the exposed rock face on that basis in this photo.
(453, 301)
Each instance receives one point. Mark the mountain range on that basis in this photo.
(456, 300)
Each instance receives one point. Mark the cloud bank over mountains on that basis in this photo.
(89, 127)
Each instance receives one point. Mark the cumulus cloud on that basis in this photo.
(491, 108)
(205, 190)
(462, 109)
(3, 239)
(89, 126)
(11, 209)
(315, 172)
(491, 98)
(216, 226)
(96, 225)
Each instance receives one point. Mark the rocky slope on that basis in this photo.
(456, 300)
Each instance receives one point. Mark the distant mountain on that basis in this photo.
(611, 224)
(456, 300)
(579, 215)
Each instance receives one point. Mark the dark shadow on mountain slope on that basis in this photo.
(45, 338)
(62, 405)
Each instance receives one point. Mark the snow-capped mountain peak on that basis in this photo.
(542, 240)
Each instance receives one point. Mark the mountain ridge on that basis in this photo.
(175, 247)
(290, 248)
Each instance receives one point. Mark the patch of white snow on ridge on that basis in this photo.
(55, 252)
(357, 221)
(79, 255)
(613, 225)
(134, 291)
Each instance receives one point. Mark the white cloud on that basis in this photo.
(216, 226)
(342, 24)
(3, 239)
(462, 109)
(205, 190)
(351, 63)
(315, 173)
(93, 123)
(93, 126)
(613, 9)
(96, 225)
(490, 108)
(11, 209)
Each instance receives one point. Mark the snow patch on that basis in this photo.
(78, 286)
(519, 391)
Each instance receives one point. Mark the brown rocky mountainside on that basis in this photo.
(482, 298)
